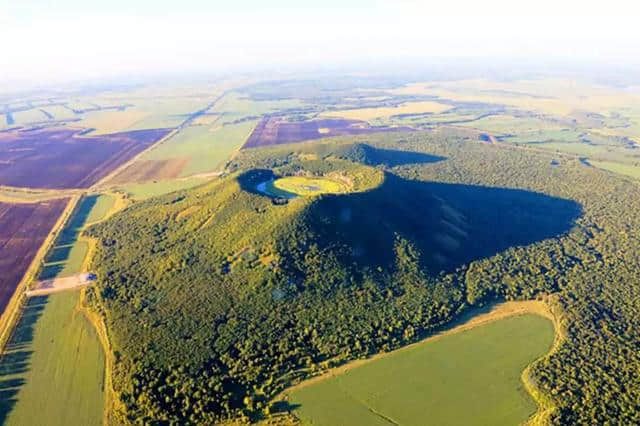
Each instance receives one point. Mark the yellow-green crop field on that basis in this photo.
(367, 114)
(472, 377)
(307, 186)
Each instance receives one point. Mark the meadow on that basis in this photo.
(428, 383)
(308, 186)
(53, 367)
(143, 191)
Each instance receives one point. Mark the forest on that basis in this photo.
(217, 298)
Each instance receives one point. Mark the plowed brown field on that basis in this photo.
(23, 229)
(275, 131)
(59, 159)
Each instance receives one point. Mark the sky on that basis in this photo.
(45, 40)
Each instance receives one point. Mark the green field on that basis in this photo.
(55, 360)
(100, 207)
(622, 169)
(206, 148)
(468, 378)
(307, 186)
(63, 261)
(53, 370)
(142, 191)
(67, 256)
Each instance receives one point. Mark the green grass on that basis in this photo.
(236, 106)
(102, 204)
(207, 148)
(142, 191)
(622, 169)
(306, 186)
(67, 255)
(53, 370)
(564, 135)
(578, 148)
(63, 261)
(467, 378)
(507, 124)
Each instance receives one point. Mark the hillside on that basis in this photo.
(219, 297)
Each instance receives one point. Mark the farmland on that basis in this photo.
(53, 367)
(408, 108)
(23, 228)
(428, 382)
(65, 160)
(142, 191)
(274, 131)
(67, 255)
(632, 171)
(197, 149)
(55, 350)
(400, 220)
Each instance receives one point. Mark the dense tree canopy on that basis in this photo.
(216, 298)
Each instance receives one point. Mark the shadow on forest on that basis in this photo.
(15, 359)
(449, 224)
(373, 156)
(283, 407)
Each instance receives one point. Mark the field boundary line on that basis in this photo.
(12, 313)
(497, 312)
(546, 404)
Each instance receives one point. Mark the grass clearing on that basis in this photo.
(406, 108)
(436, 379)
(142, 191)
(308, 186)
(53, 369)
(632, 171)
(204, 149)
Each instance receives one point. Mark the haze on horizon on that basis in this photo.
(73, 39)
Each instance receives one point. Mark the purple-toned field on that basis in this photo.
(23, 229)
(62, 158)
(274, 131)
